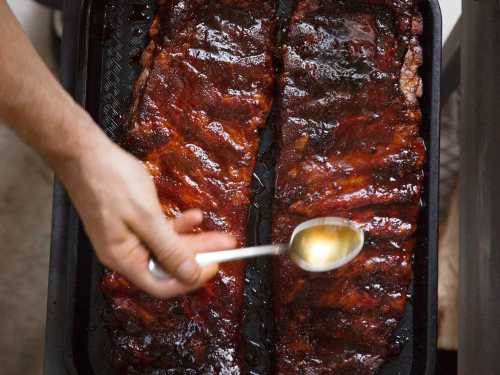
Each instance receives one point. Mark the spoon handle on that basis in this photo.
(206, 259)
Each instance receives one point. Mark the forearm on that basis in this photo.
(33, 102)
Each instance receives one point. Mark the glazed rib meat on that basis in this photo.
(205, 90)
(350, 147)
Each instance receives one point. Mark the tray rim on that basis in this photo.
(58, 358)
(433, 198)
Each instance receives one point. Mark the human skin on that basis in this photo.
(111, 190)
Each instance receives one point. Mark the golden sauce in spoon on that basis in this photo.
(320, 246)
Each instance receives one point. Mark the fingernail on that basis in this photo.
(189, 271)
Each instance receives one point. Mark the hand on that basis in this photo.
(111, 190)
(117, 202)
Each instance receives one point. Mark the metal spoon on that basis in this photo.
(316, 245)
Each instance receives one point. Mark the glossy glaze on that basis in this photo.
(350, 147)
(205, 90)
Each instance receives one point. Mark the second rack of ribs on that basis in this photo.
(349, 146)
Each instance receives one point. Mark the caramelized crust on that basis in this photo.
(205, 90)
(349, 146)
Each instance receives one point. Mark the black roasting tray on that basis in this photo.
(103, 40)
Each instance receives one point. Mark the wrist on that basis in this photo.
(80, 141)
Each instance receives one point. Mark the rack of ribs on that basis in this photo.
(205, 90)
(349, 146)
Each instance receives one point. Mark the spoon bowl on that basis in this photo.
(324, 244)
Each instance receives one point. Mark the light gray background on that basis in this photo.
(25, 214)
